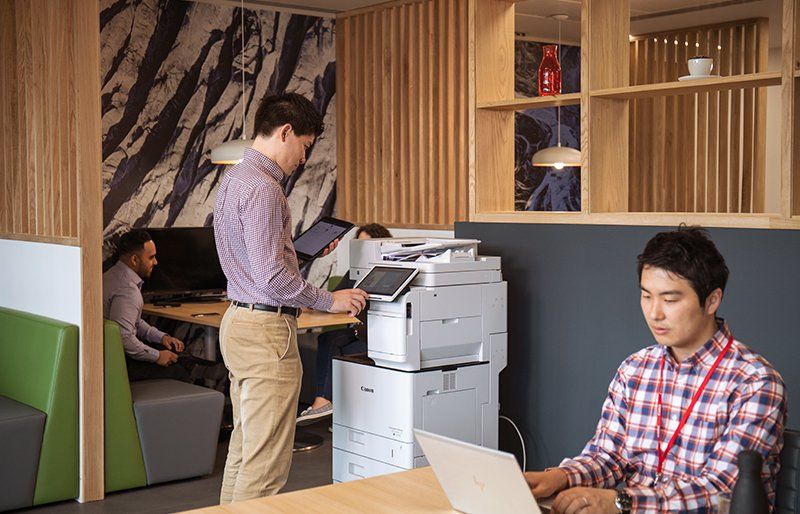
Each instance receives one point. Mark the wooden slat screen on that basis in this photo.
(402, 106)
(702, 152)
(38, 121)
(50, 171)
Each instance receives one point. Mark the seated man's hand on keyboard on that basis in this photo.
(166, 358)
(172, 343)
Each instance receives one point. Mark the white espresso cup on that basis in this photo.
(700, 65)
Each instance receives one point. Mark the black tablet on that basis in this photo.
(384, 283)
(310, 244)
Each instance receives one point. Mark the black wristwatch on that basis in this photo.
(623, 502)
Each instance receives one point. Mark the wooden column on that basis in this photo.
(604, 53)
(790, 149)
(86, 31)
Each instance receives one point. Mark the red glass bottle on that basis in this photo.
(549, 72)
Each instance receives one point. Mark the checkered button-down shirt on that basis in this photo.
(252, 228)
(743, 407)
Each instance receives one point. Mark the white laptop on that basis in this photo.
(478, 480)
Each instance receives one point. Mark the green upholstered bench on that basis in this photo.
(124, 462)
(333, 282)
(39, 368)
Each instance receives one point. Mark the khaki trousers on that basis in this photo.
(260, 352)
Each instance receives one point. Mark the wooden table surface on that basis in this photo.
(210, 314)
(408, 491)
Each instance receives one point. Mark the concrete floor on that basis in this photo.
(309, 469)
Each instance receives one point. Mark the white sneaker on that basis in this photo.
(310, 415)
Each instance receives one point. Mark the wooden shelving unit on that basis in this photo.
(541, 102)
(606, 101)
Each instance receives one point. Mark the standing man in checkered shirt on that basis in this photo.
(652, 451)
(258, 334)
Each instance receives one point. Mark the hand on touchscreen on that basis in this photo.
(351, 301)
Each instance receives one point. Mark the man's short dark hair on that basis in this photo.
(689, 253)
(291, 108)
(374, 230)
(132, 241)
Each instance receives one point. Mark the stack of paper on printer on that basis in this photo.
(445, 251)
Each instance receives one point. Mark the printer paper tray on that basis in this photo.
(349, 466)
(383, 449)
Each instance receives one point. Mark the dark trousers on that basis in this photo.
(342, 341)
(143, 370)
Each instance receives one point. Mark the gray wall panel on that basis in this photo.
(574, 316)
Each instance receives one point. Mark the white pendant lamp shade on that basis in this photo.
(231, 152)
(557, 157)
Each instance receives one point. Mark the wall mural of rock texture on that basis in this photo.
(171, 74)
(545, 189)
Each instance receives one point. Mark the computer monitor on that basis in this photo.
(187, 263)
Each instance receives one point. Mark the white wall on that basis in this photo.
(343, 250)
(41, 278)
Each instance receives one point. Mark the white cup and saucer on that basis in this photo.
(700, 67)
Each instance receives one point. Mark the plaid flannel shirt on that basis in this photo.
(742, 407)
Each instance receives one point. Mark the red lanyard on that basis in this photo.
(662, 455)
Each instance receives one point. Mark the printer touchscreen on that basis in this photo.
(385, 283)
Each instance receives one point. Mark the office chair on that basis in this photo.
(788, 495)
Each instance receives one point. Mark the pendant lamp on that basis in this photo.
(232, 152)
(557, 156)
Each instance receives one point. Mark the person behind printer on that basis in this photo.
(639, 459)
(122, 303)
(343, 341)
(258, 334)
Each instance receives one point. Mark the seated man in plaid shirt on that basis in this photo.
(679, 412)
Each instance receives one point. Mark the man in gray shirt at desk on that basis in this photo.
(123, 302)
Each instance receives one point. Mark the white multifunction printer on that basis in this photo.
(435, 354)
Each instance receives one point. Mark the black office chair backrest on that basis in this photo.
(788, 499)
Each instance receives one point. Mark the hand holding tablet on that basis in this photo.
(313, 242)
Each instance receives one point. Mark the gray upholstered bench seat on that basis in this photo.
(178, 427)
(21, 429)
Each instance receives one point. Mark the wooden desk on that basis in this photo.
(210, 314)
(408, 491)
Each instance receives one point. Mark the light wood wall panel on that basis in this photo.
(50, 160)
(38, 121)
(702, 152)
(402, 104)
